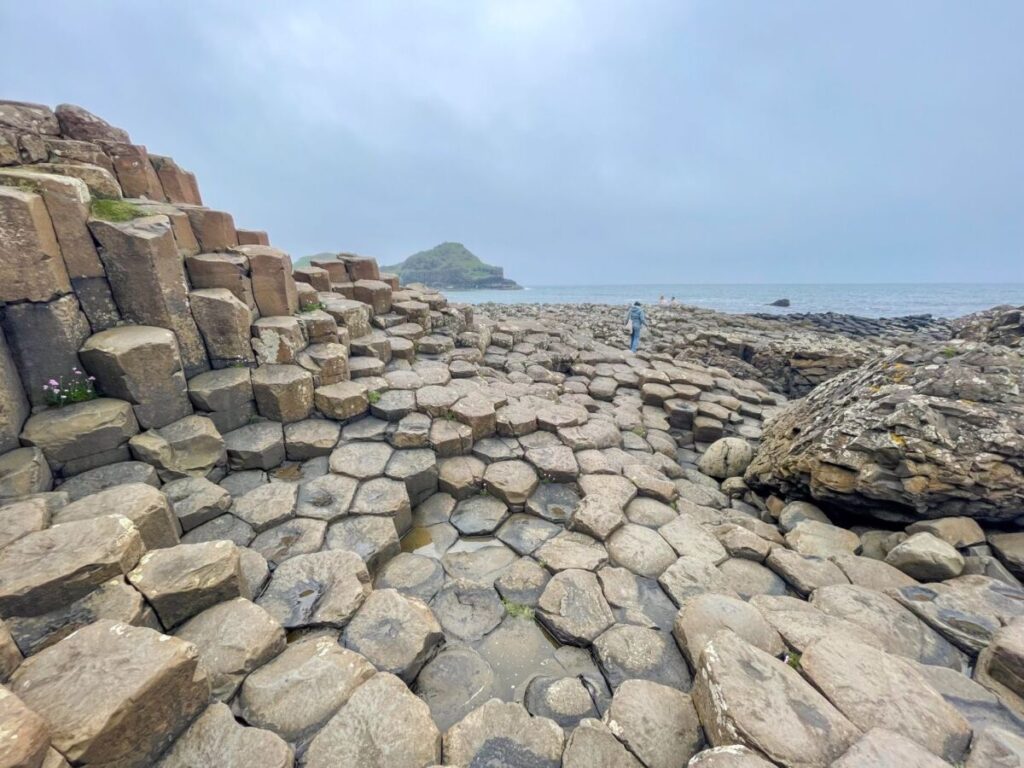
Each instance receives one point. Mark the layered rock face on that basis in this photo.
(934, 431)
(318, 519)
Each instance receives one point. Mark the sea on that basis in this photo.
(865, 300)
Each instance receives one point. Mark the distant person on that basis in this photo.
(662, 301)
(674, 303)
(637, 320)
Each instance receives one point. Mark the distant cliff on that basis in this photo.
(451, 266)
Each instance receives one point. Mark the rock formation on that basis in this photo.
(253, 515)
(451, 266)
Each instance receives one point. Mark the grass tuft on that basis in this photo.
(518, 610)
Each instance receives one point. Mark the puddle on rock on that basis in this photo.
(430, 541)
(520, 649)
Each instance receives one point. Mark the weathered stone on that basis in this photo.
(224, 322)
(146, 507)
(566, 700)
(1000, 666)
(113, 694)
(277, 340)
(688, 538)
(215, 230)
(381, 725)
(628, 652)
(374, 538)
(140, 364)
(255, 446)
(195, 500)
(593, 745)
(78, 123)
(395, 633)
(454, 683)
(272, 284)
(657, 723)
(283, 392)
(897, 630)
(300, 536)
(233, 638)
(926, 557)
(310, 438)
(499, 733)
(134, 172)
(222, 528)
(342, 401)
(101, 478)
(189, 447)
(803, 572)
(570, 549)
(114, 599)
(215, 738)
(733, 756)
(26, 735)
(22, 472)
(324, 588)
(222, 270)
(877, 690)
(705, 615)
(300, 690)
(881, 747)
(49, 569)
(573, 607)
(181, 581)
(148, 281)
(326, 498)
(641, 550)
(597, 517)
(467, 611)
(23, 517)
(63, 325)
(996, 747)
(744, 696)
(33, 268)
(840, 445)
(958, 532)
(728, 457)
(968, 611)
(511, 481)
(810, 537)
(267, 505)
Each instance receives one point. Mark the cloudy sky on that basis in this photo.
(575, 141)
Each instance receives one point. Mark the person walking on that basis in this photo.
(638, 320)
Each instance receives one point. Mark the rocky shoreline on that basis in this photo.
(314, 518)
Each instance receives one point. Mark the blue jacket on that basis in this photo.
(636, 317)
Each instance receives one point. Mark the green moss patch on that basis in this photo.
(115, 210)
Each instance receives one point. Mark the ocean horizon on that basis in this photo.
(863, 299)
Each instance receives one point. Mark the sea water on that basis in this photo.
(866, 300)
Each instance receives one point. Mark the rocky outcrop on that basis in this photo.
(999, 325)
(923, 432)
(452, 266)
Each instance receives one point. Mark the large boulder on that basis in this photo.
(922, 432)
(114, 694)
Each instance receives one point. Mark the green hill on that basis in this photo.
(451, 266)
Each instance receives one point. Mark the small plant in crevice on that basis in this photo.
(311, 306)
(518, 610)
(373, 396)
(793, 659)
(76, 388)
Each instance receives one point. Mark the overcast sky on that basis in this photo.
(575, 141)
